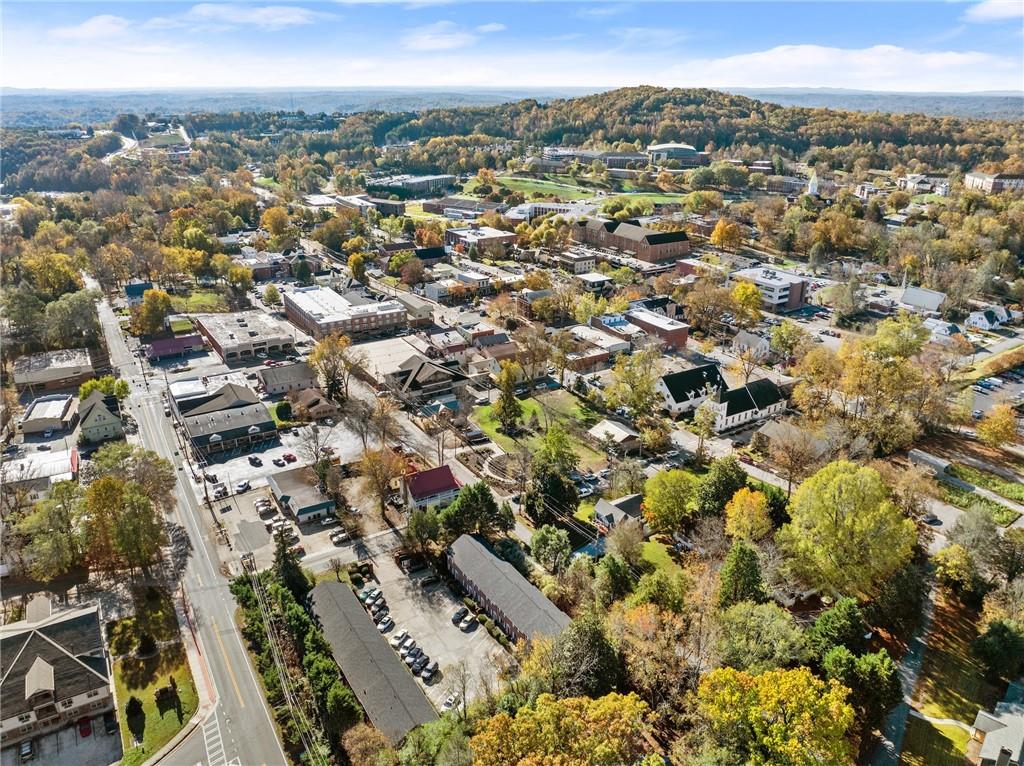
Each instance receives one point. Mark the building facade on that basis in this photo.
(321, 311)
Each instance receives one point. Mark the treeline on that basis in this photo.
(34, 160)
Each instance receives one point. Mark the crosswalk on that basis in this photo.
(215, 755)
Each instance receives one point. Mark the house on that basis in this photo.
(99, 418)
(286, 377)
(618, 435)
(941, 330)
(30, 477)
(1001, 732)
(921, 300)
(736, 406)
(49, 370)
(312, 404)
(53, 412)
(745, 341)
(526, 299)
(393, 699)
(419, 379)
(55, 670)
(610, 513)
(296, 491)
(986, 319)
(433, 488)
(181, 345)
(508, 598)
(135, 290)
(685, 391)
(779, 432)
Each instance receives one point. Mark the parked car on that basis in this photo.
(467, 622)
(411, 657)
(379, 612)
(279, 462)
(405, 648)
(399, 638)
(426, 582)
(255, 460)
(420, 663)
(428, 672)
(459, 614)
(110, 722)
(84, 727)
(327, 521)
(298, 550)
(339, 536)
(977, 414)
(289, 457)
(450, 702)
(242, 486)
(369, 595)
(386, 624)
(47, 433)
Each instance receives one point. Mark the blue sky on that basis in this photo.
(913, 46)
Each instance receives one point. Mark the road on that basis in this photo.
(239, 729)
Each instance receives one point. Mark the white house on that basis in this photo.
(686, 390)
(754, 401)
(432, 488)
(941, 330)
(747, 341)
(99, 418)
(985, 319)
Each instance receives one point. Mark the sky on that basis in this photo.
(919, 46)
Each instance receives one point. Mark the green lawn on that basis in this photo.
(162, 140)
(925, 744)
(279, 421)
(952, 682)
(270, 183)
(927, 199)
(529, 186)
(657, 554)
(585, 512)
(200, 300)
(656, 197)
(1011, 490)
(140, 678)
(181, 326)
(559, 410)
(961, 498)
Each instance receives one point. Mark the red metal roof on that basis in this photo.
(432, 482)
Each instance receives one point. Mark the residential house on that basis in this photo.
(312, 404)
(55, 671)
(781, 432)
(525, 300)
(432, 488)
(738, 406)
(685, 391)
(616, 435)
(921, 300)
(99, 418)
(608, 514)
(745, 341)
(985, 319)
(53, 412)
(393, 699)
(283, 378)
(419, 380)
(508, 598)
(135, 290)
(297, 492)
(941, 330)
(1001, 732)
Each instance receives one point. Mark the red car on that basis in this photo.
(84, 727)
(289, 457)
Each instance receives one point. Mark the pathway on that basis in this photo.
(888, 751)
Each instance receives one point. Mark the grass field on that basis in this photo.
(961, 498)
(269, 183)
(200, 300)
(657, 555)
(952, 682)
(655, 196)
(1011, 490)
(561, 407)
(529, 186)
(140, 678)
(162, 140)
(925, 744)
(585, 512)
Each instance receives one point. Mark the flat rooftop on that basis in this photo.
(64, 358)
(324, 305)
(57, 465)
(765, 276)
(654, 318)
(244, 326)
(48, 407)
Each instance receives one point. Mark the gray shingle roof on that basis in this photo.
(391, 697)
(517, 598)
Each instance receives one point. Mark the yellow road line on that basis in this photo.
(231, 672)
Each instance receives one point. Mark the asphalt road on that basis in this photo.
(239, 730)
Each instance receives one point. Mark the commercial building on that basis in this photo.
(297, 491)
(433, 488)
(485, 238)
(686, 390)
(55, 671)
(312, 404)
(780, 290)
(994, 183)
(631, 239)
(460, 208)
(32, 475)
(671, 332)
(576, 262)
(321, 311)
(687, 156)
(594, 282)
(419, 311)
(610, 344)
(508, 598)
(53, 412)
(67, 368)
(244, 334)
(99, 418)
(286, 377)
(393, 700)
(181, 345)
(263, 264)
(420, 380)
(785, 184)
(921, 300)
(220, 419)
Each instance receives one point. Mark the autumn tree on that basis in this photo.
(746, 303)
(275, 220)
(649, 638)
(846, 536)
(271, 295)
(999, 426)
(668, 497)
(335, 362)
(54, 534)
(726, 234)
(357, 265)
(634, 381)
(787, 337)
(746, 515)
(759, 637)
(148, 317)
(380, 467)
(781, 716)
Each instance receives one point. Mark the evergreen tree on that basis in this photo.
(740, 578)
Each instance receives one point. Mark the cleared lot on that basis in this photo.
(426, 614)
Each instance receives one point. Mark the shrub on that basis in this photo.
(147, 645)
(356, 579)
(470, 604)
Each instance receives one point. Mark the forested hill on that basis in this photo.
(707, 119)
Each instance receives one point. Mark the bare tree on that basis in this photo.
(748, 360)
(384, 418)
(336, 567)
(359, 418)
(457, 678)
(380, 467)
(796, 452)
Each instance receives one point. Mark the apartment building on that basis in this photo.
(320, 311)
(780, 290)
(994, 183)
(631, 239)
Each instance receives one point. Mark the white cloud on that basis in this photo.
(880, 67)
(602, 10)
(271, 17)
(492, 27)
(96, 28)
(649, 37)
(440, 36)
(994, 10)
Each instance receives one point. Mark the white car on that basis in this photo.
(450, 702)
(385, 624)
(242, 486)
(399, 638)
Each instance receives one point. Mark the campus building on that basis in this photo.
(321, 311)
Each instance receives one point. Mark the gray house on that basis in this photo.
(1001, 733)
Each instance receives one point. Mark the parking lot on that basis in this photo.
(66, 746)
(987, 394)
(426, 613)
